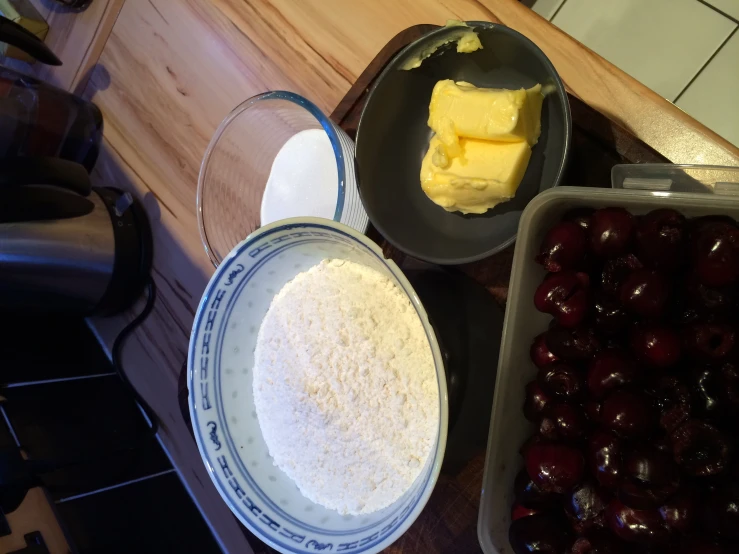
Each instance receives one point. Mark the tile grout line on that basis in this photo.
(551, 19)
(183, 481)
(10, 426)
(112, 487)
(717, 10)
(59, 380)
(705, 65)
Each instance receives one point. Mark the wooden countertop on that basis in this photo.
(169, 72)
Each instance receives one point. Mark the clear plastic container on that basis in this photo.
(713, 179)
(508, 427)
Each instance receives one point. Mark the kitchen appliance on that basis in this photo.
(65, 245)
(37, 119)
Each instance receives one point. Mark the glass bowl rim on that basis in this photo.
(326, 124)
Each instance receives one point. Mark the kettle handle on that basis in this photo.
(17, 36)
(29, 170)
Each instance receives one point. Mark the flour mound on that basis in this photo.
(345, 387)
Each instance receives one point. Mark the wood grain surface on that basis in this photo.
(170, 71)
(35, 514)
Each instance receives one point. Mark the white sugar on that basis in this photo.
(303, 180)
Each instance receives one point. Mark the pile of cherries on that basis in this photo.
(636, 400)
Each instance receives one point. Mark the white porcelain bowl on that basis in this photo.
(222, 409)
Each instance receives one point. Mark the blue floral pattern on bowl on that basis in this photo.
(222, 408)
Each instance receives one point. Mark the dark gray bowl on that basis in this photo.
(393, 137)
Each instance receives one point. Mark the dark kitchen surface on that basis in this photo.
(92, 420)
(6, 438)
(149, 517)
(117, 491)
(36, 348)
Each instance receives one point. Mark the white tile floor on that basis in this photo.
(686, 50)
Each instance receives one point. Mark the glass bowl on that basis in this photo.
(238, 162)
(222, 410)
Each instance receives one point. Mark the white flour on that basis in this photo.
(345, 387)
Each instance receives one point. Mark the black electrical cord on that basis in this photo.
(117, 351)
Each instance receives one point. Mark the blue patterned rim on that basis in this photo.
(251, 510)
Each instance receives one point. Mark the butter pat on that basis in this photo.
(463, 110)
(484, 175)
(466, 39)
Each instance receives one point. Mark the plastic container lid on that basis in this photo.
(712, 179)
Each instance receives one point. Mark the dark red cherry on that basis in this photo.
(681, 511)
(561, 421)
(572, 344)
(538, 534)
(610, 370)
(656, 345)
(644, 293)
(565, 296)
(554, 467)
(707, 388)
(674, 401)
(636, 526)
(708, 300)
(580, 216)
(563, 247)
(715, 254)
(611, 231)
(598, 542)
(650, 477)
(662, 443)
(729, 385)
(535, 402)
(518, 511)
(721, 515)
(700, 449)
(609, 317)
(531, 441)
(616, 271)
(650, 466)
(604, 458)
(540, 353)
(710, 342)
(585, 506)
(528, 494)
(696, 225)
(660, 239)
(561, 380)
(593, 410)
(629, 414)
(699, 545)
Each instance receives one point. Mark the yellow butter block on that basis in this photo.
(461, 110)
(484, 175)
